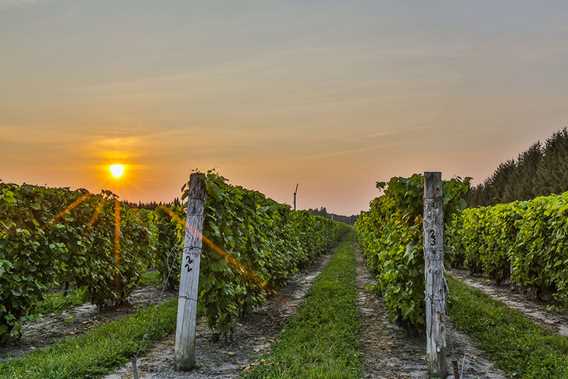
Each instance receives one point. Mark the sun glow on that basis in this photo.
(117, 170)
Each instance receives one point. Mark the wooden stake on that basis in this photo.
(435, 292)
(295, 194)
(189, 278)
(135, 368)
(456, 369)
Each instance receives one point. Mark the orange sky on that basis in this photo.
(333, 97)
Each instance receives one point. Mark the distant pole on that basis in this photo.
(189, 279)
(295, 194)
(435, 292)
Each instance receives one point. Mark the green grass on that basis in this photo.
(150, 278)
(98, 351)
(55, 302)
(516, 344)
(322, 339)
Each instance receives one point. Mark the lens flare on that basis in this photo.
(117, 256)
(231, 261)
(69, 208)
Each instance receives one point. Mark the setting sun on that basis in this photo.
(116, 170)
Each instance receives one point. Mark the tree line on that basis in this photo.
(322, 211)
(152, 205)
(540, 170)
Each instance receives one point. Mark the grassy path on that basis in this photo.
(322, 339)
(515, 343)
(97, 351)
(540, 313)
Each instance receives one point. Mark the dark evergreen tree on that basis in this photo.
(552, 174)
(540, 170)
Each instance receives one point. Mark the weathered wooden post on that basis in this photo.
(189, 278)
(434, 274)
(295, 194)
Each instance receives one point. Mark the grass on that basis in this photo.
(98, 351)
(56, 302)
(322, 339)
(150, 278)
(516, 344)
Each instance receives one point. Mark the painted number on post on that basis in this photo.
(432, 235)
(188, 263)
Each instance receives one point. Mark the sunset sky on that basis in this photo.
(333, 95)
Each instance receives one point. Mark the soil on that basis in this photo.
(252, 338)
(518, 301)
(77, 320)
(388, 350)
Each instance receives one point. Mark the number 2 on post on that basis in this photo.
(188, 263)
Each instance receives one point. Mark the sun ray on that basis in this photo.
(69, 208)
(229, 258)
(117, 207)
(97, 212)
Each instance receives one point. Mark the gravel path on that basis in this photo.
(389, 352)
(252, 338)
(77, 320)
(535, 311)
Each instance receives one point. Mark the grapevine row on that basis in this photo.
(391, 237)
(51, 236)
(524, 242)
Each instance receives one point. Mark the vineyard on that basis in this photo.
(54, 237)
(269, 291)
(283, 189)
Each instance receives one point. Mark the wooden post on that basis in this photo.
(295, 194)
(435, 292)
(135, 368)
(189, 278)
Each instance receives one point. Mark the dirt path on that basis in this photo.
(388, 351)
(226, 359)
(48, 329)
(535, 311)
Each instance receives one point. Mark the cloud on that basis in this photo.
(8, 4)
